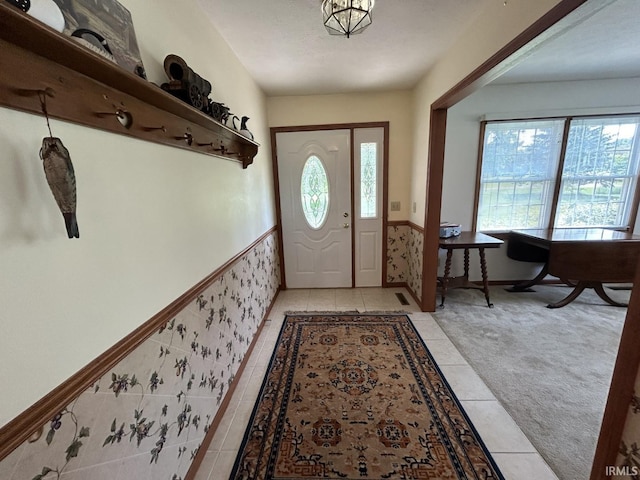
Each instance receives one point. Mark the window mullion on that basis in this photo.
(635, 152)
(609, 194)
(558, 182)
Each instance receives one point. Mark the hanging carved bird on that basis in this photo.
(62, 180)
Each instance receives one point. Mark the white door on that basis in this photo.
(368, 153)
(314, 172)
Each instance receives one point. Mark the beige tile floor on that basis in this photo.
(511, 450)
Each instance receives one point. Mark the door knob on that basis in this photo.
(345, 225)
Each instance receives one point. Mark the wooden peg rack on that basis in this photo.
(84, 88)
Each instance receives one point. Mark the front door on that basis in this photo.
(314, 172)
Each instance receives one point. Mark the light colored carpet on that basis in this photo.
(550, 368)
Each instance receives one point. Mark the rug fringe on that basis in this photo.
(347, 312)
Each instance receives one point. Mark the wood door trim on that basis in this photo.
(328, 126)
(431, 234)
(385, 203)
(385, 186)
(276, 183)
(352, 161)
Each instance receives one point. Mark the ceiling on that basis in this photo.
(599, 40)
(287, 50)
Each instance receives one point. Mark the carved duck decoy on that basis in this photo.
(243, 126)
(62, 180)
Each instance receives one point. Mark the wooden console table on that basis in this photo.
(467, 241)
(582, 258)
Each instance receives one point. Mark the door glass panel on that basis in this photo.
(314, 192)
(368, 180)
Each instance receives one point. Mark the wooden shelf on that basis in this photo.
(89, 90)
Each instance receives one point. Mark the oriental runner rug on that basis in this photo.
(350, 396)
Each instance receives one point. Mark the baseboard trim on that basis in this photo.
(18, 430)
(413, 295)
(497, 283)
(515, 282)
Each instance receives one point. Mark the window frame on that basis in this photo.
(635, 202)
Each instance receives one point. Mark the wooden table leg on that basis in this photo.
(466, 264)
(571, 297)
(522, 286)
(603, 295)
(445, 279)
(579, 288)
(485, 278)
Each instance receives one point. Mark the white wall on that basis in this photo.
(498, 24)
(394, 107)
(508, 102)
(153, 220)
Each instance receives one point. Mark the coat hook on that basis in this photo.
(187, 137)
(151, 129)
(210, 144)
(23, 92)
(124, 117)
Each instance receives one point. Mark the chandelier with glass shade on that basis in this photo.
(346, 17)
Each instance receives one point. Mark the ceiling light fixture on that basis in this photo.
(346, 17)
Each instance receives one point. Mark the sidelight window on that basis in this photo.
(368, 180)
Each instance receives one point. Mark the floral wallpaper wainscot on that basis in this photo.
(397, 239)
(629, 453)
(414, 261)
(404, 256)
(147, 417)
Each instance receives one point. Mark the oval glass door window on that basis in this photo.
(314, 192)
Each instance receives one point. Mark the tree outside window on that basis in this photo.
(522, 162)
